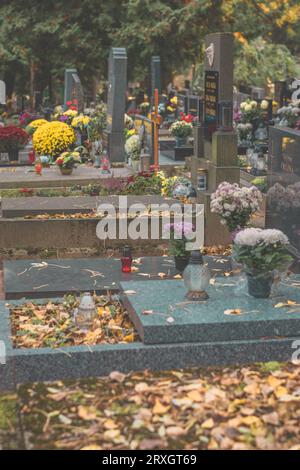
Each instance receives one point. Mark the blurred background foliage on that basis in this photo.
(38, 40)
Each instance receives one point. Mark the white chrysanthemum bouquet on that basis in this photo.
(261, 251)
(235, 205)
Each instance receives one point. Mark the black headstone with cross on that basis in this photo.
(215, 141)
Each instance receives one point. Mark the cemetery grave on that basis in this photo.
(222, 153)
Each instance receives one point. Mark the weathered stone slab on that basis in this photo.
(30, 278)
(25, 177)
(21, 207)
(170, 319)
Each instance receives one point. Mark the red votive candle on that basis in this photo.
(126, 260)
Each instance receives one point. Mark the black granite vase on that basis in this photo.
(181, 262)
(259, 285)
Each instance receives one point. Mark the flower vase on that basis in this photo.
(181, 141)
(181, 262)
(135, 164)
(260, 285)
(66, 171)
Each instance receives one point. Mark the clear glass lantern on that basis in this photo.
(180, 190)
(86, 313)
(105, 163)
(260, 166)
(196, 278)
(261, 133)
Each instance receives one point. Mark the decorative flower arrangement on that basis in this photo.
(187, 117)
(244, 131)
(53, 138)
(25, 118)
(98, 121)
(12, 138)
(145, 107)
(133, 147)
(171, 105)
(235, 205)
(72, 104)
(45, 160)
(34, 125)
(128, 122)
(261, 252)
(129, 132)
(251, 110)
(80, 122)
(282, 198)
(289, 115)
(68, 159)
(181, 129)
(179, 233)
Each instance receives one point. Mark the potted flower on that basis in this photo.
(181, 131)
(67, 161)
(261, 252)
(12, 139)
(133, 149)
(178, 233)
(80, 124)
(53, 138)
(235, 205)
(289, 115)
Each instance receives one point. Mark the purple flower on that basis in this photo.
(180, 228)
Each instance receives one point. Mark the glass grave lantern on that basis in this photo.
(105, 163)
(196, 278)
(126, 260)
(260, 165)
(86, 312)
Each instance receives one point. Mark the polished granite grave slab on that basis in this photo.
(47, 364)
(46, 278)
(162, 315)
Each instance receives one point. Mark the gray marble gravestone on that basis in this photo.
(114, 139)
(155, 74)
(215, 142)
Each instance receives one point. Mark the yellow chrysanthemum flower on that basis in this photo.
(53, 138)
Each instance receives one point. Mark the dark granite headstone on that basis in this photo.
(68, 91)
(77, 92)
(218, 78)
(283, 196)
(195, 107)
(155, 75)
(117, 82)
